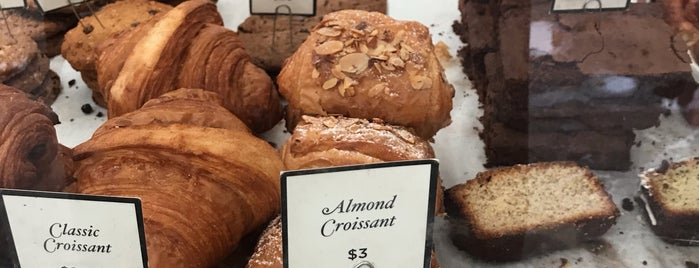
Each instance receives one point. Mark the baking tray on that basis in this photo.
(630, 243)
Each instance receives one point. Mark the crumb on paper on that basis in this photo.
(442, 51)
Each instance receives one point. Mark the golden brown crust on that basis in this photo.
(366, 65)
(183, 106)
(216, 55)
(30, 156)
(200, 195)
(335, 141)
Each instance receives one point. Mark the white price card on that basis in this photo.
(56, 230)
(375, 215)
(588, 5)
(6, 4)
(283, 7)
(48, 5)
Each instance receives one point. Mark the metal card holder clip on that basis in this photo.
(364, 264)
(274, 26)
(89, 7)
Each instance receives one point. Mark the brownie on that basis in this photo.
(588, 79)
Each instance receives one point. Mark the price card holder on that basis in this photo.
(62, 230)
(376, 215)
(589, 5)
(271, 7)
(49, 5)
(7, 4)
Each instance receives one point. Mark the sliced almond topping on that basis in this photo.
(354, 63)
(330, 47)
(387, 66)
(390, 48)
(378, 49)
(349, 42)
(374, 32)
(400, 35)
(350, 91)
(406, 47)
(353, 128)
(326, 31)
(315, 74)
(358, 32)
(420, 82)
(337, 72)
(404, 54)
(405, 135)
(330, 83)
(363, 48)
(412, 68)
(396, 61)
(330, 123)
(341, 90)
(380, 57)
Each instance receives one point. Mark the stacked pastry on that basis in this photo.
(203, 178)
(331, 141)
(367, 65)
(186, 47)
(82, 42)
(269, 46)
(25, 67)
(585, 80)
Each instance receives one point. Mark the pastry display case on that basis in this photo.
(565, 138)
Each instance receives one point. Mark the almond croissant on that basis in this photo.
(187, 47)
(367, 65)
(203, 179)
(335, 141)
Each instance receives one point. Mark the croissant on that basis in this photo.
(30, 155)
(334, 141)
(367, 65)
(204, 180)
(187, 47)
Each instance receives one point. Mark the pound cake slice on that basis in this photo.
(509, 213)
(671, 197)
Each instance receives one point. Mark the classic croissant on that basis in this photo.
(367, 65)
(335, 141)
(187, 47)
(30, 155)
(203, 179)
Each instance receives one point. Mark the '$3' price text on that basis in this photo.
(359, 253)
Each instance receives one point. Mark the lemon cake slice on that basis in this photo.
(508, 213)
(671, 196)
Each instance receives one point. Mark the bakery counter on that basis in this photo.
(629, 243)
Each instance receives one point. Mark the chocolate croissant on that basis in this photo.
(187, 47)
(335, 141)
(367, 65)
(204, 180)
(30, 155)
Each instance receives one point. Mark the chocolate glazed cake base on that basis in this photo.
(677, 229)
(514, 247)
